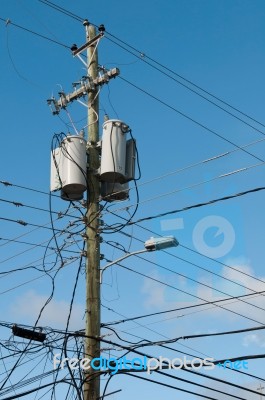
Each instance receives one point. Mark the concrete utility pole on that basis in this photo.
(92, 346)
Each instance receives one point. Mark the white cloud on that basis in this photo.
(154, 292)
(26, 309)
(157, 295)
(254, 338)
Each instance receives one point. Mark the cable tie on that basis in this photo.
(18, 204)
(6, 183)
(19, 221)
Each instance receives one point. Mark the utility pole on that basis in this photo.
(90, 86)
(92, 346)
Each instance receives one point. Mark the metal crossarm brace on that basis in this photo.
(84, 89)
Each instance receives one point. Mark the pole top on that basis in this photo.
(86, 22)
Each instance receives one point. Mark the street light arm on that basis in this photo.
(121, 259)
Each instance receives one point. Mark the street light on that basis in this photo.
(151, 244)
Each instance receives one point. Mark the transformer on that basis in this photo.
(114, 191)
(130, 159)
(74, 162)
(68, 168)
(71, 196)
(56, 178)
(113, 152)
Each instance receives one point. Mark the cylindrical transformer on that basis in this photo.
(113, 152)
(114, 191)
(74, 163)
(71, 196)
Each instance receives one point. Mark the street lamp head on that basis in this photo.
(161, 243)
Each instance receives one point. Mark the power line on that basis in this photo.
(191, 355)
(240, 194)
(194, 185)
(215, 303)
(180, 308)
(143, 56)
(62, 10)
(213, 158)
(7, 21)
(130, 349)
(172, 387)
(198, 282)
(144, 91)
(220, 262)
(188, 117)
(259, 293)
(19, 204)
(7, 184)
(173, 255)
(190, 166)
(147, 328)
(185, 247)
(143, 354)
(203, 335)
(24, 223)
(34, 245)
(147, 93)
(35, 229)
(34, 279)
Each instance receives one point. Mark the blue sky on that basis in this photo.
(217, 45)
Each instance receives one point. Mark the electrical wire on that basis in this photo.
(182, 169)
(24, 223)
(194, 185)
(179, 351)
(19, 204)
(32, 280)
(249, 357)
(203, 335)
(12, 60)
(189, 118)
(205, 309)
(33, 244)
(240, 194)
(187, 248)
(61, 10)
(34, 33)
(196, 356)
(143, 57)
(207, 302)
(198, 282)
(216, 362)
(174, 387)
(223, 264)
(197, 164)
(37, 245)
(150, 95)
(179, 309)
(33, 230)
